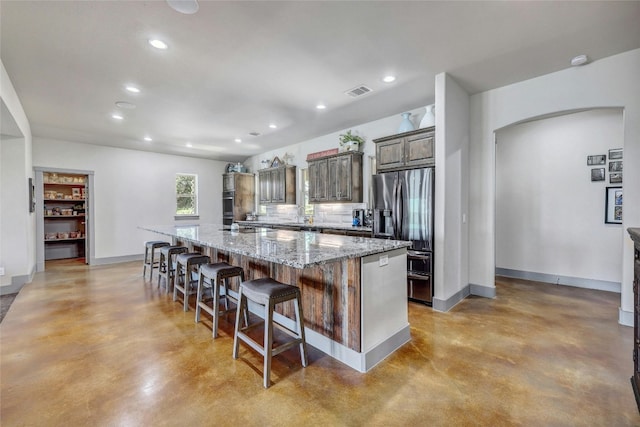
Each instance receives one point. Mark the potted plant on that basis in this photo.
(350, 142)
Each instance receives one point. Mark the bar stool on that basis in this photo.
(185, 282)
(150, 254)
(269, 292)
(217, 274)
(167, 264)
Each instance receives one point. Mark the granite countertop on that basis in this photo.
(315, 225)
(297, 249)
(635, 234)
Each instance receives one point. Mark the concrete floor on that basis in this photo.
(101, 346)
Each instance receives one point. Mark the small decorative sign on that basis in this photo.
(324, 153)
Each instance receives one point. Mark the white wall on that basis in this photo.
(451, 279)
(133, 188)
(549, 214)
(16, 256)
(609, 82)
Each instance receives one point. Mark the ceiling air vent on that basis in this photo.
(358, 91)
(254, 133)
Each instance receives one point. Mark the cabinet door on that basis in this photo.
(318, 175)
(313, 181)
(265, 186)
(343, 177)
(332, 189)
(278, 185)
(419, 150)
(390, 154)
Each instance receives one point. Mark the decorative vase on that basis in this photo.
(405, 125)
(429, 118)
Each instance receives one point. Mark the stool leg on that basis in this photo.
(177, 281)
(268, 342)
(186, 287)
(199, 296)
(144, 263)
(242, 300)
(160, 268)
(171, 274)
(215, 289)
(300, 326)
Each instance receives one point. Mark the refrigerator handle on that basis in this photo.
(397, 220)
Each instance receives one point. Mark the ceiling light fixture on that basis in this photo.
(158, 44)
(132, 89)
(273, 126)
(238, 140)
(321, 106)
(148, 138)
(389, 79)
(188, 144)
(579, 60)
(188, 7)
(117, 116)
(126, 105)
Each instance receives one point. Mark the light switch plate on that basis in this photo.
(384, 260)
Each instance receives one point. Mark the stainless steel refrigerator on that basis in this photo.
(403, 210)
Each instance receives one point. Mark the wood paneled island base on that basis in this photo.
(355, 307)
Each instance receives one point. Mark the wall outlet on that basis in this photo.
(1, 271)
(384, 260)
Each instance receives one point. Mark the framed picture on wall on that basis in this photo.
(615, 154)
(613, 205)
(615, 178)
(615, 166)
(599, 159)
(597, 174)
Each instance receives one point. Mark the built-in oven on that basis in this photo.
(227, 207)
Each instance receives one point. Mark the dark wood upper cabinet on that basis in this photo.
(406, 150)
(336, 178)
(277, 185)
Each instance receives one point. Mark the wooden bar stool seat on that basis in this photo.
(213, 276)
(167, 264)
(150, 256)
(269, 292)
(186, 278)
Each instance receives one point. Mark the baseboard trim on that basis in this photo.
(447, 304)
(13, 288)
(625, 318)
(116, 259)
(482, 291)
(555, 279)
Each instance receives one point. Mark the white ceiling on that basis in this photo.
(234, 67)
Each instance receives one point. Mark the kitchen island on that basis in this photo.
(354, 293)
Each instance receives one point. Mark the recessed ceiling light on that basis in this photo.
(188, 144)
(126, 105)
(238, 140)
(273, 126)
(579, 60)
(389, 79)
(132, 89)
(321, 106)
(148, 138)
(117, 116)
(188, 7)
(158, 44)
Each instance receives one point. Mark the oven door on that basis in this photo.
(227, 204)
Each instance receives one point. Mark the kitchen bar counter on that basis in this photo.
(354, 291)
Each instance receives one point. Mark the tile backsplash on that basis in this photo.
(333, 213)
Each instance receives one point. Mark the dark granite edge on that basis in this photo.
(635, 234)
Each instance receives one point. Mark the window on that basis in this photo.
(308, 207)
(186, 195)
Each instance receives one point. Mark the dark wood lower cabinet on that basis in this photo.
(635, 379)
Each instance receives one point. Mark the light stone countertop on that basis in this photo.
(297, 249)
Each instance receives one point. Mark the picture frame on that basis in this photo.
(597, 174)
(615, 154)
(32, 195)
(597, 159)
(615, 178)
(615, 166)
(613, 205)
